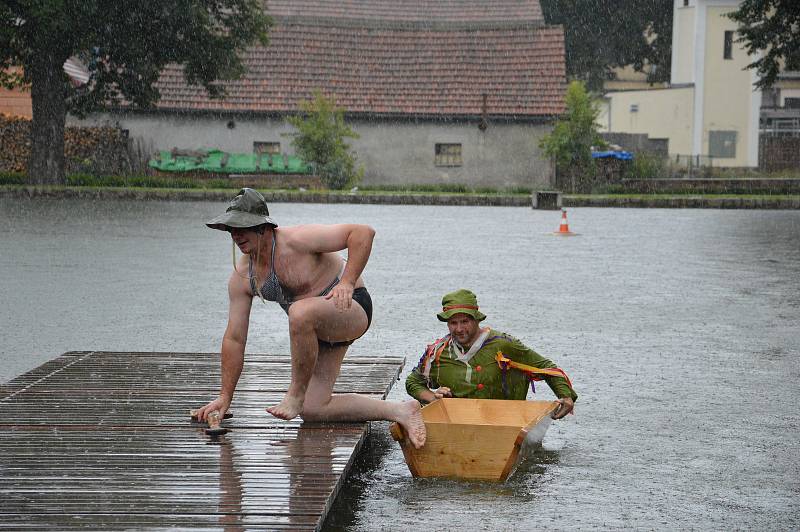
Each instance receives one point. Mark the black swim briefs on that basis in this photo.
(362, 297)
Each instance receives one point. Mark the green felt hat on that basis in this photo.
(460, 302)
(247, 209)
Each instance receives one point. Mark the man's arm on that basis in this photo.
(561, 388)
(233, 345)
(417, 387)
(355, 238)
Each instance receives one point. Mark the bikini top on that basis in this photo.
(273, 290)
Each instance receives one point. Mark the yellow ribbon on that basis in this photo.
(555, 372)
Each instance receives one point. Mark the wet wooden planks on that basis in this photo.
(102, 440)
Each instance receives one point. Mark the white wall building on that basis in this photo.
(711, 107)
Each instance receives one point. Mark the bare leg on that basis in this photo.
(321, 405)
(310, 320)
(304, 348)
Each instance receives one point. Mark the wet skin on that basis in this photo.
(306, 260)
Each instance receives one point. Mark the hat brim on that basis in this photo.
(446, 315)
(239, 220)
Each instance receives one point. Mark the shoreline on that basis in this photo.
(682, 201)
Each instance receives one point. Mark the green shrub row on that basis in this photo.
(451, 188)
(13, 178)
(89, 180)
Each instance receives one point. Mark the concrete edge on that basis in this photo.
(499, 200)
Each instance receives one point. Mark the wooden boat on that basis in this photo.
(475, 438)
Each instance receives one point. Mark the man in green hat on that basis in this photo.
(482, 363)
(326, 302)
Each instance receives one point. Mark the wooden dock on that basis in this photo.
(103, 440)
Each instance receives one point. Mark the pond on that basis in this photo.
(679, 329)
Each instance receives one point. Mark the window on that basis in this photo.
(791, 103)
(267, 147)
(722, 144)
(728, 47)
(685, 3)
(448, 155)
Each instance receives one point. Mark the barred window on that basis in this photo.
(448, 155)
(267, 147)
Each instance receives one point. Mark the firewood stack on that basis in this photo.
(95, 150)
(15, 147)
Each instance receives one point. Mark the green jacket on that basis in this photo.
(481, 377)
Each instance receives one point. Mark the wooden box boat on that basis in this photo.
(475, 438)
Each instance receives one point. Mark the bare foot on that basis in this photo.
(411, 421)
(289, 408)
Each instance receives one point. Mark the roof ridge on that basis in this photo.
(434, 25)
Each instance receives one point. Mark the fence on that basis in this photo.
(778, 153)
(690, 165)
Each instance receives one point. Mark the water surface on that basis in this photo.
(679, 329)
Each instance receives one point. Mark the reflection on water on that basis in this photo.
(230, 486)
(678, 327)
(286, 485)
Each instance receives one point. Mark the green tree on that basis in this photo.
(125, 45)
(573, 136)
(601, 35)
(770, 30)
(320, 139)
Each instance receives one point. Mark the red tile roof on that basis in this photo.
(427, 11)
(411, 67)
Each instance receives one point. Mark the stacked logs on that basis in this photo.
(15, 143)
(94, 150)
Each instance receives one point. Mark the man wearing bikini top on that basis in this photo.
(300, 268)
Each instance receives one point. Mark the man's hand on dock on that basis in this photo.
(219, 404)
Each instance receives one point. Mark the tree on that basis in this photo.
(770, 30)
(125, 46)
(320, 139)
(601, 35)
(570, 143)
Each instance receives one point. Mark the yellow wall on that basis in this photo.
(728, 90)
(629, 79)
(665, 113)
(683, 45)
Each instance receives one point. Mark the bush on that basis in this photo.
(570, 143)
(646, 166)
(336, 174)
(218, 183)
(90, 180)
(163, 182)
(320, 140)
(13, 178)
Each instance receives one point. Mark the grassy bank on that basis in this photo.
(221, 189)
(411, 197)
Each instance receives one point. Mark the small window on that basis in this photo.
(791, 103)
(267, 147)
(722, 144)
(448, 155)
(685, 3)
(728, 48)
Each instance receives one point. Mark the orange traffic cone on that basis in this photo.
(563, 229)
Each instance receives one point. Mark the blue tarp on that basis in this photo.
(621, 155)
